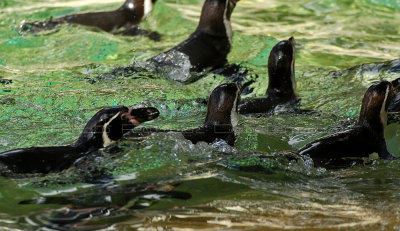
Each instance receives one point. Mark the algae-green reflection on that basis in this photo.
(48, 91)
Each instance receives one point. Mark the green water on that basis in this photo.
(52, 96)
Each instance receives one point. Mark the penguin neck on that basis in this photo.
(215, 19)
(212, 120)
(374, 116)
(88, 142)
(94, 136)
(229, 119)
(375, 124)
(281, 85)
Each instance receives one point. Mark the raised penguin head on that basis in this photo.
(109, 124)
(396, 83)
(375, 104)
(215, 17)
(141, 8)
(282, 83)
(222, 105)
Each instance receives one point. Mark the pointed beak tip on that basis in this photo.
(292, 40)
(153, 112)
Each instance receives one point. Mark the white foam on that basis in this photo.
(173, 65)
(130, 176)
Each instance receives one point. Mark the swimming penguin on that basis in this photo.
(220, 122)
(128, 15)
(222, 116)
(103, 129)
(281, 85)
(208, 46)
(366, 137)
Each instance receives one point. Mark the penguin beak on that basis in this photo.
(144, 114)
(292, 41)
(231, 4)
(396, 85)
(242, 87)
(139, 115)
(395, 90)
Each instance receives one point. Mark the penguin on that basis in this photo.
(5, 81)
(366, 137)
(128, 15)
(105, 128)
(208, 46)
(281, 85)
(221, 119)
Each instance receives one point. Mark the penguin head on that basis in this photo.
(229, 7)
(219, 8)
(215, 17)
(282, 83)
(396, 83)
(375, 104)
(109, 124)
(141, 7)
(222, 107)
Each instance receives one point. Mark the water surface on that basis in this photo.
(53, 94)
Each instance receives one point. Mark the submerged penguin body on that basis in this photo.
(129, 15)
(364, 138)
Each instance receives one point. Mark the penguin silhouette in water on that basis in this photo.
(105, 128)
(129, 15)
(281, 85)
(105, 203)
(366, 137)
(220, 122)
